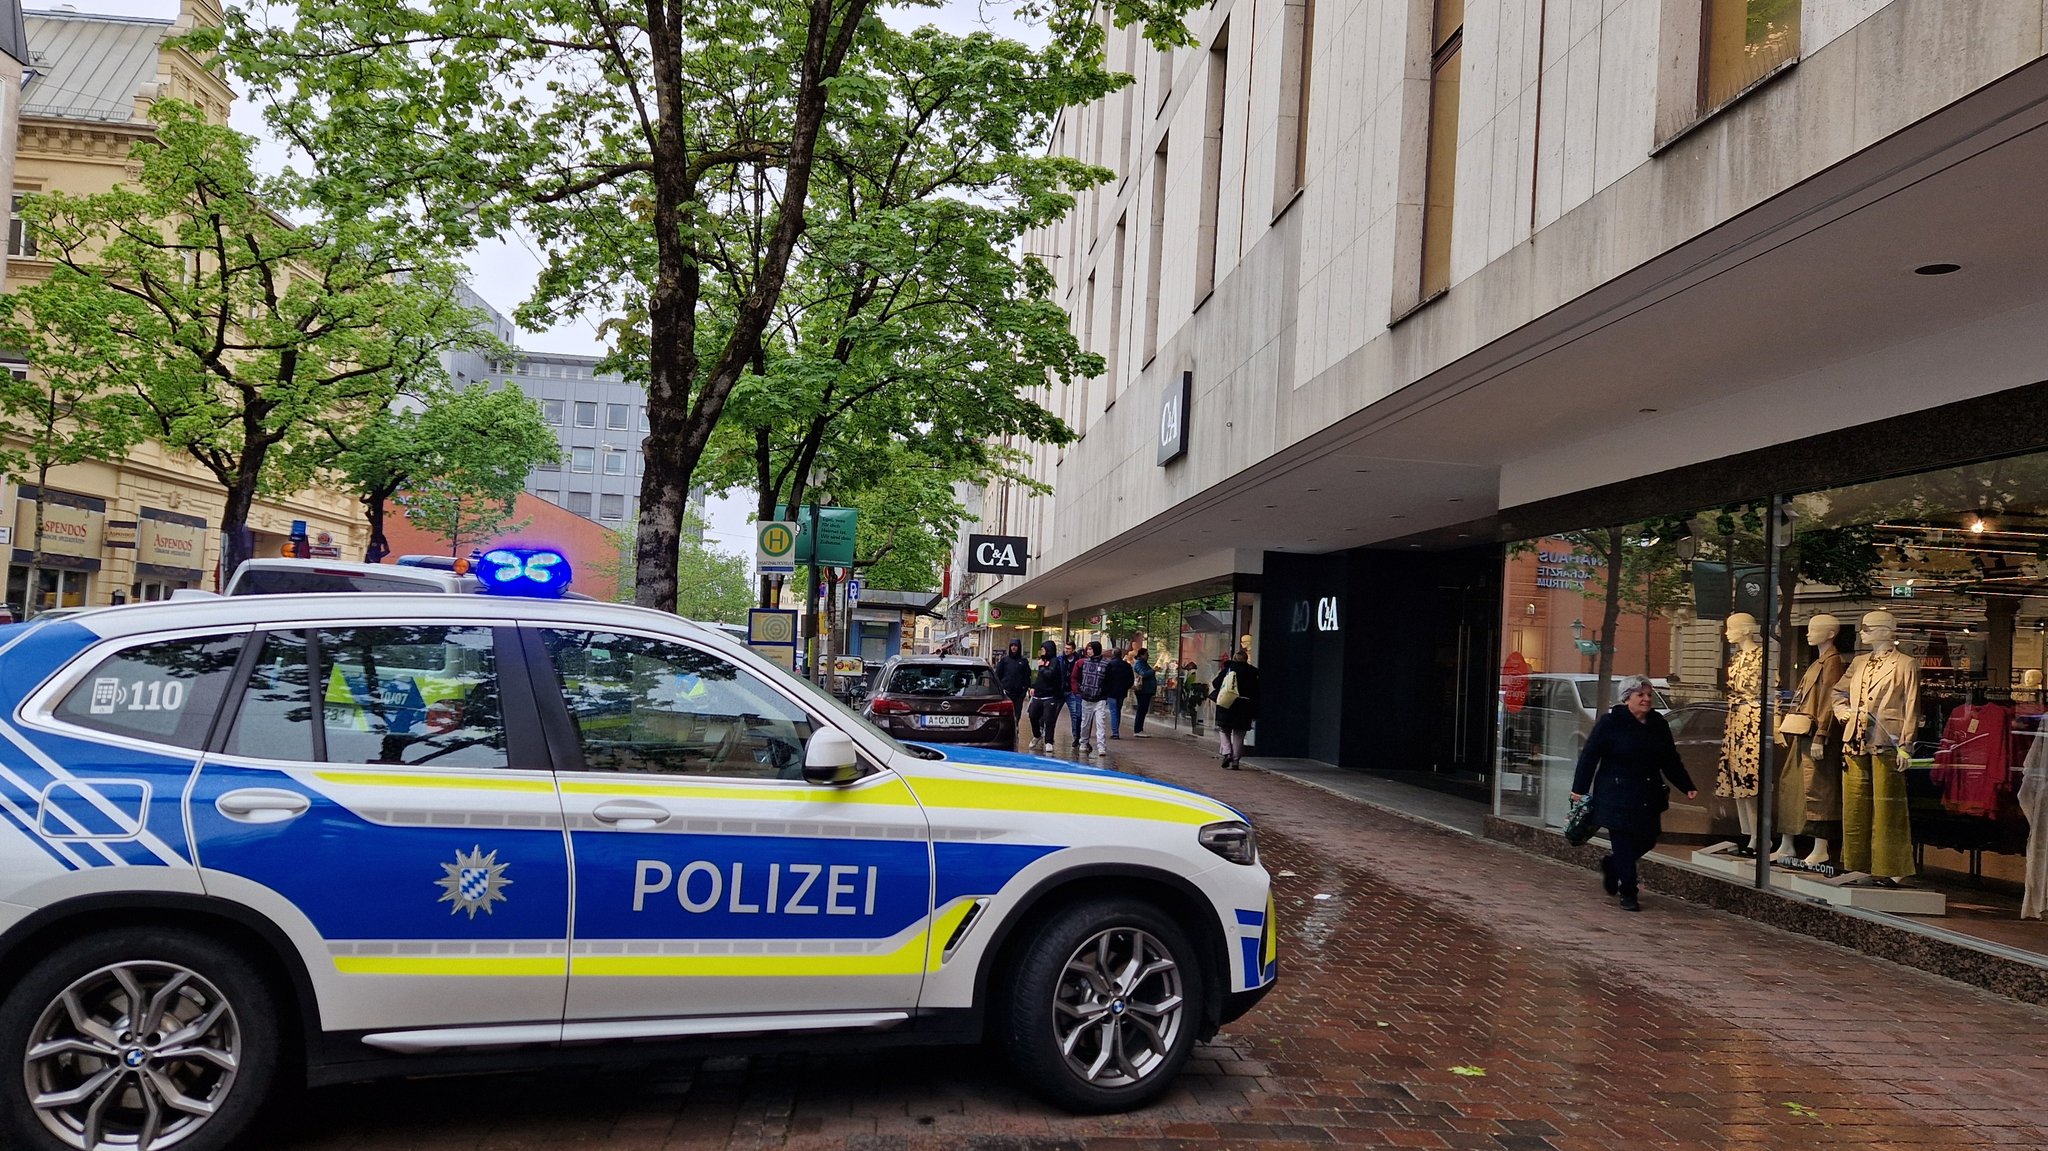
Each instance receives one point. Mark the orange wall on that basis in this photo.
(593, 549)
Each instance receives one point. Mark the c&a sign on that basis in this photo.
(997, 555)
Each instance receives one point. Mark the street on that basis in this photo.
(1435, 992)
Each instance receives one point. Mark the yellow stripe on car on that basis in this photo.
(905, 960)
(890, 794)
(990, 795)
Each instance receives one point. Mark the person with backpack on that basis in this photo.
(1147, 687)
(1237, 706)
(1048, 696)
(1092, 677)
(1070, 667)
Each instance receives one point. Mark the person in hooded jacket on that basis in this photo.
(1048, 696)
(1629, 749)
(1235, 718)
(1013, 675)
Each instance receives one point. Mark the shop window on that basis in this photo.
(1742, 41)
(1446, 55)
(55, 588)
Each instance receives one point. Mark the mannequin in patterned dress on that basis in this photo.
(1742, 740)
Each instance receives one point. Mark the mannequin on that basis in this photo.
(1742, 740)
(1810, 786)
(1878, 702)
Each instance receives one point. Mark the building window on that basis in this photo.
(586, 413)
(1290, 158)
(554, 498)
(1114, 354)
(1208, 236)
(1155, 250)
(582, 459)
(618, 417)
(551, 465)
(611, 507)
(579, 503)
(1744, 41)
(614, 462)
(20, 241)
(1446, 54)
(639, 465)
(551, 411)
(643, 419)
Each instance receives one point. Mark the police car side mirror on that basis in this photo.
(830, 757)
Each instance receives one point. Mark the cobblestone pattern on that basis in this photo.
(1437, 992)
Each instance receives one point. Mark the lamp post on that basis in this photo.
(1589, 648)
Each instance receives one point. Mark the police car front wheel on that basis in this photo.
(140, 1038)
(1102, 1009)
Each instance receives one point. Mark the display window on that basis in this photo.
(55, 588)
(1852, 679)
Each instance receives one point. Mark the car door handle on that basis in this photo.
(629, 814)
(262, 805)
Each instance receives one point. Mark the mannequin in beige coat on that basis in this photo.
(1810, 783)
(1878, 702)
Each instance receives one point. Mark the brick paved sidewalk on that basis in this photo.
(1438, 991)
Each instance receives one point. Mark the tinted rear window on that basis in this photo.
(938, 680)
(275, 581)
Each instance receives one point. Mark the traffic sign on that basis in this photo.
(836, 527)
(775, 546)
(853, 590)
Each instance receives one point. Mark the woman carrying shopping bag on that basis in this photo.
(1628, 751)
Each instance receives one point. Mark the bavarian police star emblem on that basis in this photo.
(473, 882)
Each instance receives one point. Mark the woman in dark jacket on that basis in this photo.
(1630, 747)
(1048, 696)
(1236, 719)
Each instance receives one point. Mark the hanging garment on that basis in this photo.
(1974, 759)
(1742, 741)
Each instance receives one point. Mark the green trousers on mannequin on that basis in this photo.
(1877, 834)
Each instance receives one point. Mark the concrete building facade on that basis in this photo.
(1479, 354)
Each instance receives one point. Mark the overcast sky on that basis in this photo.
(504, 271)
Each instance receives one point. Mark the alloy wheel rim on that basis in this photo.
(1118, 1007)
(134, 1055)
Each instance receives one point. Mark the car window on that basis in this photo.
(659, 707)
(413, 694)
(164, 692)
(941, 680)
(295, 581)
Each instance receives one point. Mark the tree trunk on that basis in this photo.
(33, 584)
(373, 511)
(236, 543)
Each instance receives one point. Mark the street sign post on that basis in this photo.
(853, 590)
(775, 547)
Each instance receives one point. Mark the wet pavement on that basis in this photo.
(1437, 992)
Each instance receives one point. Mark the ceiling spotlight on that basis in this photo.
(1941, 269)
(1977, 525)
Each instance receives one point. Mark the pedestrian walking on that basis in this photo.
(1628, 750)
(1071, 665)
(1147, 687)
(1091, 678)
(1236, 692)
(1118, 679)
(1013, 675)
(1048, 696)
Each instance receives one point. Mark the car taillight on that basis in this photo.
(999, 707)
(883, 705)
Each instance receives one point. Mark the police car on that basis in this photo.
(248, 842)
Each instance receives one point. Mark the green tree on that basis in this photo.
(60, 412)
(456, 456)
(911, 317)
(712, 583)
(241, 339)
(653, 147)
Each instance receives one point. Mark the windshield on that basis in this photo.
(941, 680)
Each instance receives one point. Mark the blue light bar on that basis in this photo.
(524, 572)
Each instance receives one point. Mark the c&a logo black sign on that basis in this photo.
(997, 555)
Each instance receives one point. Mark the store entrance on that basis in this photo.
(1464, 619)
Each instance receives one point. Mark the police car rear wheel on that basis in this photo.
(1102, 1010)
(142, 1038)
